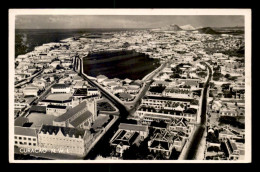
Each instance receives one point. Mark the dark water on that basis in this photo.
(27, 39)
(120, 64)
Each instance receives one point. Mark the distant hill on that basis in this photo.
(187, 27)
(172, 27)
(207, 30)
(230, 30)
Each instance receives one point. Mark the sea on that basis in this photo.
(132, 67)
(31, 38)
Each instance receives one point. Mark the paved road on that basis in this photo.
(27, 80)
(198, 134)
(95, 151)
(124, 113)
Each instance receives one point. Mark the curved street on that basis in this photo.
(200, 128)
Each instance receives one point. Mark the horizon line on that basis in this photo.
(125, 28)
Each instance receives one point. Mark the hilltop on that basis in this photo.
(172, 27)
(187, 27)
(207, 30)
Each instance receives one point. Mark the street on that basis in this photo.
(198, 134)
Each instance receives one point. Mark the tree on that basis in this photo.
(175, 75)
(211, 84)
(233, 78)
(202, 74)
(58, 67)
(217, 76)
(227, 76)
(211, 137)
(175, 154)
(130, 153)
(106, 150)
(160, 124)
(228, 120)
(125, 45)
(160, 155)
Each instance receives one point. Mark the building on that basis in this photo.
(141, 129)
(80, 94)
(180, 125)
(178, 92)
(128, 135)
(228, 112)
(64, 139)
(25, 137)
(93, 92)
(59, 99)
(31, 91)
(148, 114)
(228, 133)
(159, 102)
(60, 88)
(101, 78)
(119, 89)
(81, 116)
(162, 141)
(80, 84)
(54, 64)
(235, 150)
(20, 121)
(216, 105)
(41, 84)
(56, 110)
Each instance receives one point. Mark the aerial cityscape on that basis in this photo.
(158, 92)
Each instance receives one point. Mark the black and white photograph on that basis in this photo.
(129, 86)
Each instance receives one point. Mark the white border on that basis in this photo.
(245, 12)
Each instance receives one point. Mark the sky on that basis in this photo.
(122, 21)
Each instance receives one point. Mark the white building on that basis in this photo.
(64, 139)
(25, 137)
(30, 91)
(56, 110)
(60, 88)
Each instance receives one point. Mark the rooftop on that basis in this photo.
(125, 138)
(56, 106)
(125, 95)
(168, 98)
(59, 97)
(34, 88)
(190, 111)
(60, 86)
(134, 127)
(81, 92)
(20, 121)
(38, 119)
(38, 109)
(71, 112)
(64, 130)
(76, 122)
(24, 131)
